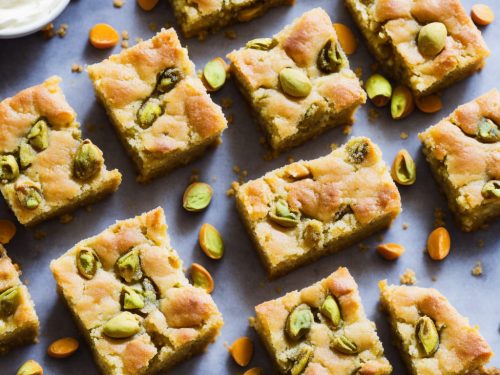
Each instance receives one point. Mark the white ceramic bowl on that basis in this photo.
(17, 32)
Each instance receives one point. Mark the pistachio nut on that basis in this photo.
(262, 44)
(427, 335)
(30, 367)
(313, 234)
(211, 241)
(149, 111)
(9, 170)
(38, 136)
(331, 310)
(329, 59)
(344, 345)
(26, 154)
(168, 79)
(197, 197)
(122, 326)
(357, 150)
(295, 83)
(299, 322)
(432, 39)
(402, 103)
(202, 278)
(403, 169)
(379, 90)
(487, 131)
(302, 359)
(87, 262)
(214, 73)
(9, 300)
(87, 161)
(491, 189)
(28, 193)
(149, 292)
(132, 299)
(281, 214)
(129, 266)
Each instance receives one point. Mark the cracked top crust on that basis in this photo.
(177, 315)
(469, 161)
(461, 346)
(271, 317)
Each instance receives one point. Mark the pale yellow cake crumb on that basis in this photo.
(408, 277)
(477, 270)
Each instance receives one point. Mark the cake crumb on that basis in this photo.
(236, 169)
(347, 130)
(231, 34)
(434, 278)
(334, 146)
(290, 159)
(124, 44)
(118, 3)
(226, 103)
(125, 35)
(65, 219)
(439, 218)
(408, 277)
(477, 270)
(153, 26)
(76, 68)
(373, 114)
(40, 234)
(403, 135)
(359, 72)
(405, 226)
(195, 175)
(230, 119)
(48, 31)
(233, 189)
(62, 30)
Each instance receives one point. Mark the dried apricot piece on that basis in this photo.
(482, 14)
(63, 348)
(103, 36)
(30, 367)
(202, 278)
(242, 351)
(439, 243)
(346, 38)
(429, 104)
(390, 251)
(7, 231)
(254, 371)
(147, 5)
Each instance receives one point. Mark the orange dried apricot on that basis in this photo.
(242, 351)
(390, 251)
(429, 103)
(7, 231)
(103, 36)
(147, 5)
(63, 348)
(482, 14)
(439, 243)
(346, 38)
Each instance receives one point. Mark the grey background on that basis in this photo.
(239, 276)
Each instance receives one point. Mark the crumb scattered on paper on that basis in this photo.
(347, 130)
(118, 3)
(233, 189)
(76, 68)
(405, 226)
(403, 135)
(408, 278)
(65, 219)
(477, 270)
(439, 218)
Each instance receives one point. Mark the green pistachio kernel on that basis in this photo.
(9, 300)
(402, 103)
(215, 74)
(432, 39)
(150, 295)
(122, 326)
(197, 197)
(87, 161)
(487, 131)
(26, 154)
(357, 150)
(344, 345)
(87, 262)
(299, 322)
(132, 299)
(295, 83)
(329, 59)
(262, 44)
(30, 367)
(38, 136)
(379, 90)
(303, 357)
(331, 310)
(282, 215)
(211, 241)
(491, 189)
(403, 169)
(168, 79)
(28, 193)
(427, 335)
(9, 170)
(129, 266)
(149, 111)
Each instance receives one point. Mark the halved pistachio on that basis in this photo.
(87, 161)
(487, 131)
(38, 136)
(281, 214)
(26, 154)
(295, 83)
(427, 335)
(331, 310)
(122, 326)
(149, 111)
(299, 322)
(432, 39)
(491, 189)
(402, 103)
(197, 197)
(403, 169)
(87, 262)
(262, 44)
(149, 292)
(168, 79)
(132, 300)
(344, 345)
(302, 359)
(9, 300)
(357, 150)
(329, 59)
(28, 193)
(379, 90)
(215, 74)
(9, 170)
(202, 278)
(211, 241)
(129, 266)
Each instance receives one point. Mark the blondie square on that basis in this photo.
(130, 298)
(46, 169)
(321, 329)
(18, 320)
(463, 151)
(307, 209)
(298, 83)
(432, 336)
(425, 44)
(159, 106)
(197, 17)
